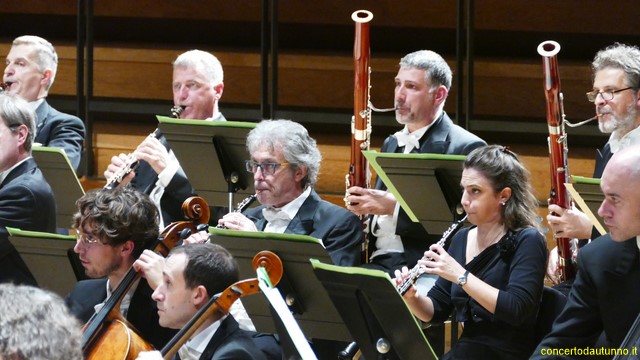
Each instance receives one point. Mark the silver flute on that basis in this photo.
(418, 270)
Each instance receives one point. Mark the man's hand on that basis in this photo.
(117, 165)
(361, 201)
(237, 221)
(569, 223)
(150, 266)
(200, 237)
(152, 151)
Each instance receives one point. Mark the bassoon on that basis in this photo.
(557, 149)
(361, 121)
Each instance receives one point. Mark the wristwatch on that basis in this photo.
(463, 279)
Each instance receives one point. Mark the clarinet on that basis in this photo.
(557, 149)
(132, 161)
(3, 86)
(418, 270)
(241, 207)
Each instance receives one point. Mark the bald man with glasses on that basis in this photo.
(616, 97)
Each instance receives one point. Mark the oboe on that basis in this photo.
(418, 270)
(242, 206)
(131, 163)
(3, 86)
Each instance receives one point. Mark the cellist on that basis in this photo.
(113, 228)
(192, 274)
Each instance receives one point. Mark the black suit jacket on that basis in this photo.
(174, 195)
(339, 229)
(27, 203)
(57, 129)
(231, 342)
(604, 296)
(602, 158)
(142, 314)
(443, 137)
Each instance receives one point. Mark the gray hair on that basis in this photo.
(623, 57)
(44, 54)
(298, 147)
(437, 71)
(15, 111)
(203, 62)
(35, 324)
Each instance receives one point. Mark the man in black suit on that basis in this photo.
(616, 92)
(422, 85)
(26, 200)
(285, 162)
(193, 274)
(114, 227)
(197, 88)
(604, 295)
(31, 68)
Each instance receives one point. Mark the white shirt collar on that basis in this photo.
(618, 143)
(4, 174)
(290, 209)
(198, 343)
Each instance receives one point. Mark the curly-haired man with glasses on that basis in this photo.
(285, 162)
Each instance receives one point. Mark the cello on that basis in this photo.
(267, 260)
(107, 335)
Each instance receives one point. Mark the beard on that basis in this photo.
(620, 124)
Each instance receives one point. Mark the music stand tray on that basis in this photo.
(192, 141)
(374, 312)
(589, 190)
(59, 173)
(306, 297)
(46, 256)
(427, 186)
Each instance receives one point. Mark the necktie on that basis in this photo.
(407, 140)
(273, 215)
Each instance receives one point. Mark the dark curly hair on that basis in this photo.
(116, 216)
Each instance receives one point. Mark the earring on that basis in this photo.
(504, 203)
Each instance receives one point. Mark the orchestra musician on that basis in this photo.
(192, 274)
(30, 70)
(26, 199)
(616, 97)
(113, 228)
(197, 88)
(492, 273)
(285, 162)
(604, 295)
(35, 324)
(422, 85)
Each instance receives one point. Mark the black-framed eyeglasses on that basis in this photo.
(607, 95)
(268, 168)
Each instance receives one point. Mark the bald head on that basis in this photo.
(620, 185)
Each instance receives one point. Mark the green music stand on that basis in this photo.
(589, 190)
(46, 256)
(374, 312)
(212, 155)
(303, 293)
(59, 173)
(427, 186)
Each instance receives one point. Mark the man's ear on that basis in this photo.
(23, 134)
(47, 76)
(218, 89)
(301, 172)
(440, 94)
(128, 247)
(200, 296)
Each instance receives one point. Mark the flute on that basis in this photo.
(418, 270)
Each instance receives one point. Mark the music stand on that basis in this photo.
(46, 257)
(427, 186)
(589, 190)
(374, 312)
(302, 291)
(59, 173)
(198, 145)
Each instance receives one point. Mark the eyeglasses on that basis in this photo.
(268, 168)
(87, 239)
(607, 95)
